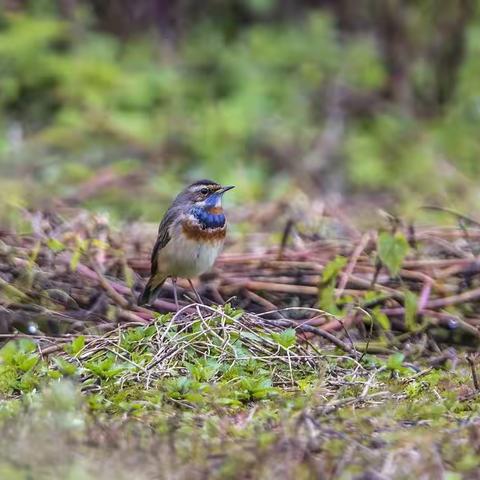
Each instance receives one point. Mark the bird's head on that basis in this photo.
(205, 194)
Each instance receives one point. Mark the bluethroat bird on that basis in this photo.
(190, 238)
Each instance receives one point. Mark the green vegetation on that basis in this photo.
(361, 371)
(220, 392)
(116, 406)
(252, 105)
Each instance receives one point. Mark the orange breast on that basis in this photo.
(215, 210)
(195, 232)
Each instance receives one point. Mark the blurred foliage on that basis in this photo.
(63, 416)
(250, 93)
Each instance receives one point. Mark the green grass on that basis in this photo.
(215, 396)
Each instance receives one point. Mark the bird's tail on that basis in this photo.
(151, 290)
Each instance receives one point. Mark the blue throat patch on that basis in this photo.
(208, 220)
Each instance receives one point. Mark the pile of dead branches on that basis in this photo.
(74, 273)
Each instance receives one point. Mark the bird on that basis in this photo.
(190, 237)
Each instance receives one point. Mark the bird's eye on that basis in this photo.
(204, 190)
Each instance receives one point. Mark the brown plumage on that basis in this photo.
(194, 232)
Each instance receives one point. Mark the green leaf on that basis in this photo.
(129, 276)
(381, 319)
(55, 245)
(333, 268)
(14, 352)
(8, 353)
(255, 388)
(287, 338)
(179, 387)
(76, 346)
(66, 368)
(395, 361)
(99, 244)
(204, 369)
(28, 362)
(411, 305)
(326, 298)
(107, 368)
(262, 389)
(392, 250)
(75, 259)
(453, 476)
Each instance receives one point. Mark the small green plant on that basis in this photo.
(327, 300)
(392, 250)
(21, 368)
(411, 306)
(286, 339)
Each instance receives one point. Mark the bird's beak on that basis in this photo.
(225, 189)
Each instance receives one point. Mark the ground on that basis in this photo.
(365, 370)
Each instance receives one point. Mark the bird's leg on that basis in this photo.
(175, 296)
(199, 298)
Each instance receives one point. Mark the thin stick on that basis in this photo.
(117, 286)
(264, 302)
(192, 286)
(317, 331)
(351, 264)
(464, 297)
(116, 297)
(459, 216)
(424, 296)
(474, 372)
(175, 295)
(285, 236)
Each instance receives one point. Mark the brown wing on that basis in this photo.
(163, 236)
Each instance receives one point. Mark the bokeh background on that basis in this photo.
(114, 104)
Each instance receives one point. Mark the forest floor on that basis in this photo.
(344, 355)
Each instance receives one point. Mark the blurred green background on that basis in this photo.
(116, 104)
